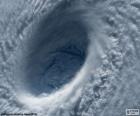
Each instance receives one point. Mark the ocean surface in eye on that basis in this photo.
(69, 57)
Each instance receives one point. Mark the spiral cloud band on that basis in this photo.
(69, 57)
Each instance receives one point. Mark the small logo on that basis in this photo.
(132, 112)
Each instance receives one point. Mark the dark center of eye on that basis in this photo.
(56, 54)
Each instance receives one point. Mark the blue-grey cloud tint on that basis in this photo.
(69, 57)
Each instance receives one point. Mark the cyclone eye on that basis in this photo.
(57, 51)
